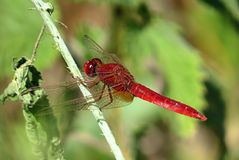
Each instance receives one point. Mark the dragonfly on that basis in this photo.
(117, 87)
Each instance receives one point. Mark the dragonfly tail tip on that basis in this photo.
(202, 117)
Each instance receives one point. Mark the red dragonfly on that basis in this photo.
(118, 86)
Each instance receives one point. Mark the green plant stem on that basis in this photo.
(37, 43)
(45, 9)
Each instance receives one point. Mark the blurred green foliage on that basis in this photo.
(20, 26)
(187, 50)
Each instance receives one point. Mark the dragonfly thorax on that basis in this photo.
(91, 65)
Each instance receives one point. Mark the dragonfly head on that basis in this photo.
(91, 65)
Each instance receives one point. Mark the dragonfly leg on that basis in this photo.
(96, 99)
(89, 84)
(101, 93)
(111, 98)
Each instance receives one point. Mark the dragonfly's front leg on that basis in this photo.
(111, 98)
(101, 93)
(89, 83)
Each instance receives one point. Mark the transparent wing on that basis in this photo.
(92, 45)
(106, 97)
(100, 52)
(114, 99)
(70, 84)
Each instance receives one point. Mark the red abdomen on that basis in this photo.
(147, 94)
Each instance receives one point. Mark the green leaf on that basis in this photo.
(42, 135)
(233, 7)
(179, 63)
(36, 134)
(183, 73)
(19, 29)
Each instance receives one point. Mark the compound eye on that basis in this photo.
(89, 68)
(91, 65)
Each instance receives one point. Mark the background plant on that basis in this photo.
(187, 50)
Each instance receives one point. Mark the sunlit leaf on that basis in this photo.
(178, 61)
